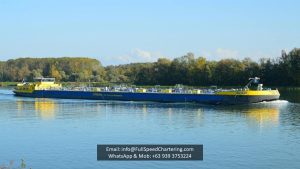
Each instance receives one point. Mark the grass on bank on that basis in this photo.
(11, 165)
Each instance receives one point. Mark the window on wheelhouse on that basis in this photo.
(42, 79)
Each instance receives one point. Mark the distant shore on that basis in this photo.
(188, 70)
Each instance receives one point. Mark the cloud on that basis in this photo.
(135, 56)
(226, 53)
(221, 53)
(140, 56)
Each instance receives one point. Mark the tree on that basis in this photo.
(54, 72)
(294, 66)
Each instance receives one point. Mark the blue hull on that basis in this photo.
(156, 97)
(125, 96)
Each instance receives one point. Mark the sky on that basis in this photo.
(125, 31)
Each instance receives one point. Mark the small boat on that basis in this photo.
(48, 88)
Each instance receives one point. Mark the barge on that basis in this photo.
(48, 88)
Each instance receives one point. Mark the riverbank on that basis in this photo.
(7, 84)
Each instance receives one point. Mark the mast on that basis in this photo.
(252, 80)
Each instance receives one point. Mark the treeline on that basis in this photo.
(63, 69)
(187, 70)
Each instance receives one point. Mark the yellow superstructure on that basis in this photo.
(167, 90)
(249, 92)
(141, 90)
(40, 84)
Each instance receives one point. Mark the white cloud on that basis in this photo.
(221, 53)
(138, 55)
(226, 53)
(135, 56)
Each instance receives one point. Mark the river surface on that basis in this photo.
(63, 134)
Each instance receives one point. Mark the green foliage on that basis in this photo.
(187, 70)
(190, 70)
(63, 69)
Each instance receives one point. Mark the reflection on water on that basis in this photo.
(264, 116)
(43, 107)
(40, 130)
(48, 108)
(261, 114)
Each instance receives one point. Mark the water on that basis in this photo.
(58, 133)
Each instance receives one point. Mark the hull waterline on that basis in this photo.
(156, 97)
